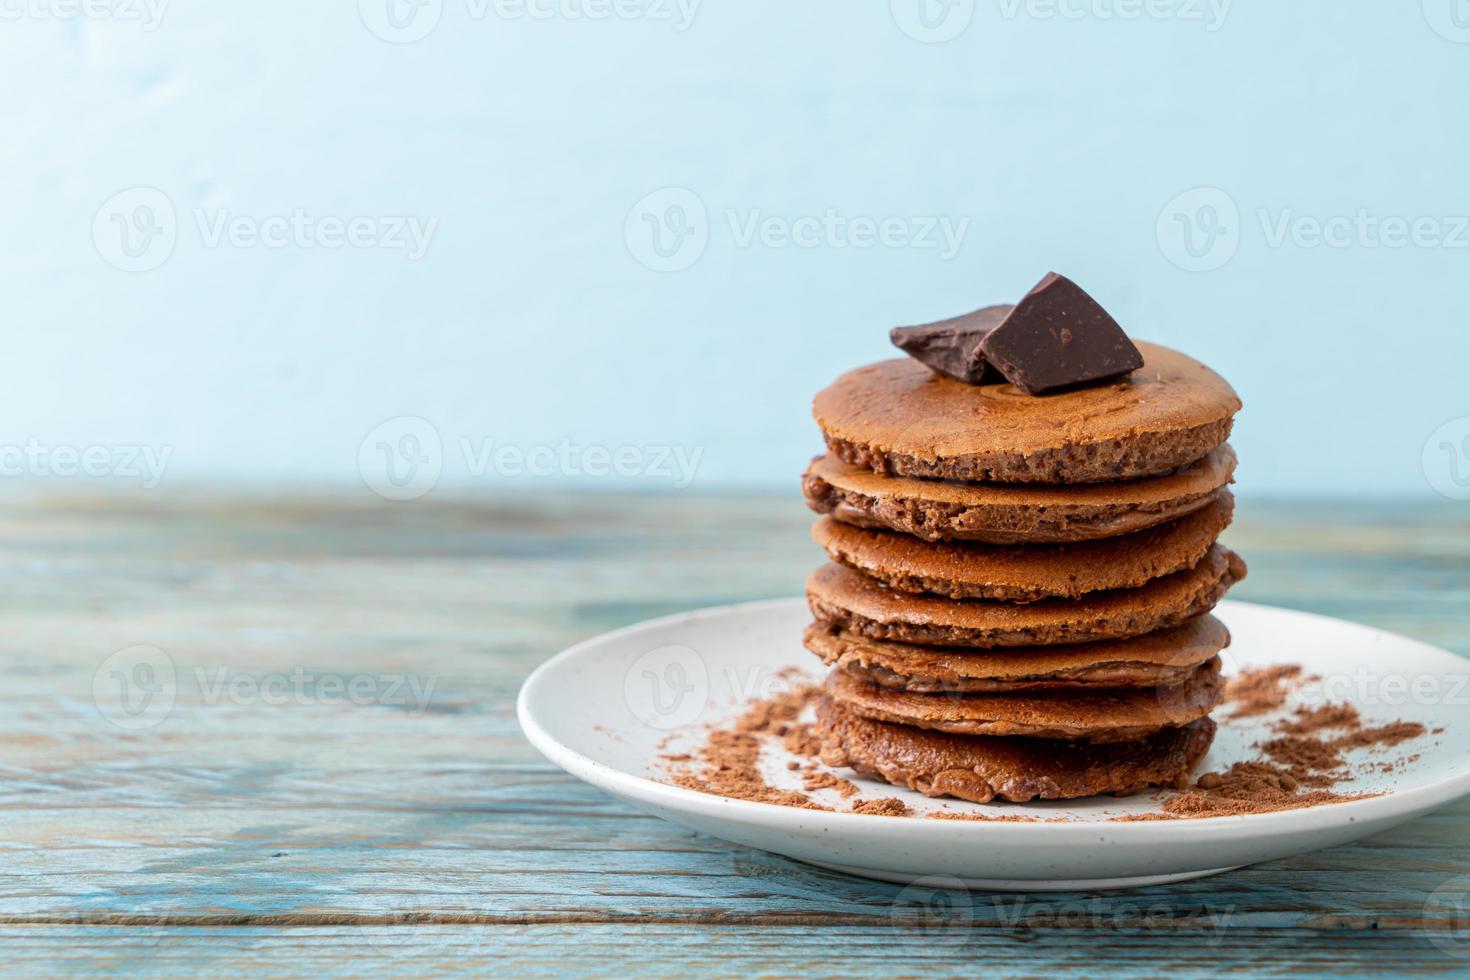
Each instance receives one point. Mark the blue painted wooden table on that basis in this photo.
(260, 735)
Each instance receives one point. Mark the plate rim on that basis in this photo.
(1402, 804)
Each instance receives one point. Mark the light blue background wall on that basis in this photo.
(1060, 138)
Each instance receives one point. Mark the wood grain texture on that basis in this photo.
(340, 778)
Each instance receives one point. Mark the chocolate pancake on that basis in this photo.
(1097, 716)
(985, 769)
(1161, 659)
(1025, 573)
(899, 417)
(849, 600)
(1011, 513)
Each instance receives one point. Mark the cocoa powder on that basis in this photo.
(889, 806)
(813, 779)
(1296, 770)
(1380, 737)
(1311, 761)
(1308, 720)
(1302, 762)
(1261, 691)
(985, 818)
(730, 756)
(729, 760)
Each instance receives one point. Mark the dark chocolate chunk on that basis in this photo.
(952, 347)
(1058, 336)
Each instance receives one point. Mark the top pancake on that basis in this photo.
(898, 417)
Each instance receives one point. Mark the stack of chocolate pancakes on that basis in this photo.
(1017, 604)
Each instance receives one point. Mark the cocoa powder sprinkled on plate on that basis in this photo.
(889, 806)
(1310, 761)
(1300, 764)
(803, 740)
(813, 778)
(1297, 769)
(956, 815)
(729, 760)
(1263, 690)
(1381, 736)
(730, 756)
(1308, 720)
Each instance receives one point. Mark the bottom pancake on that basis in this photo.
(984, 769)
(1099, 716)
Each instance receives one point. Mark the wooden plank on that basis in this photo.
(788, 949)
(277, 817)
(555, 853)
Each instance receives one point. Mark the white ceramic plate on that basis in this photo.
(607, 709)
